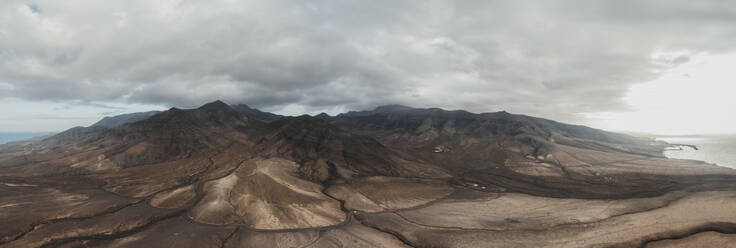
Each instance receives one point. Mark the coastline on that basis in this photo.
(715, 150)
(12, 137)
(680, 146)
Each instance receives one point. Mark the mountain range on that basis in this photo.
(232, 176)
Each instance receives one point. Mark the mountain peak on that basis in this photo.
(212, 114)
(323, 116)
(215, 105)
(392, 107)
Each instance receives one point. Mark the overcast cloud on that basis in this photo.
(553, 59)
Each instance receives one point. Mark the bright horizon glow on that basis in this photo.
(693, 98)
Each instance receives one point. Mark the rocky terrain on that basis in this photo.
(232, 176)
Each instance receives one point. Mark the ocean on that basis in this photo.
(714, 149)
(8, 137)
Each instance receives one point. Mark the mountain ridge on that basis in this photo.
(117, 120)
(383, 109)
(396, 176)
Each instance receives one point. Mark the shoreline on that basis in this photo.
(694, 147)
(680, 146)
(709, 149)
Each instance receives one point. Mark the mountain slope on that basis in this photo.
(119, 120)
(434, 123)
(255, 113)
(392, 177)
(217, 166)
(506, 152)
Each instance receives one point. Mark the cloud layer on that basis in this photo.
(548, 58)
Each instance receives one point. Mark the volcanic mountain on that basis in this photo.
(232, 176)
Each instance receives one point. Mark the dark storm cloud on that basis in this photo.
(549, 58)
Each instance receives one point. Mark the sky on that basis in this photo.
(656, 66)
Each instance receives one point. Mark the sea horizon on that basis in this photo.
(6, 137)
(711, 148)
